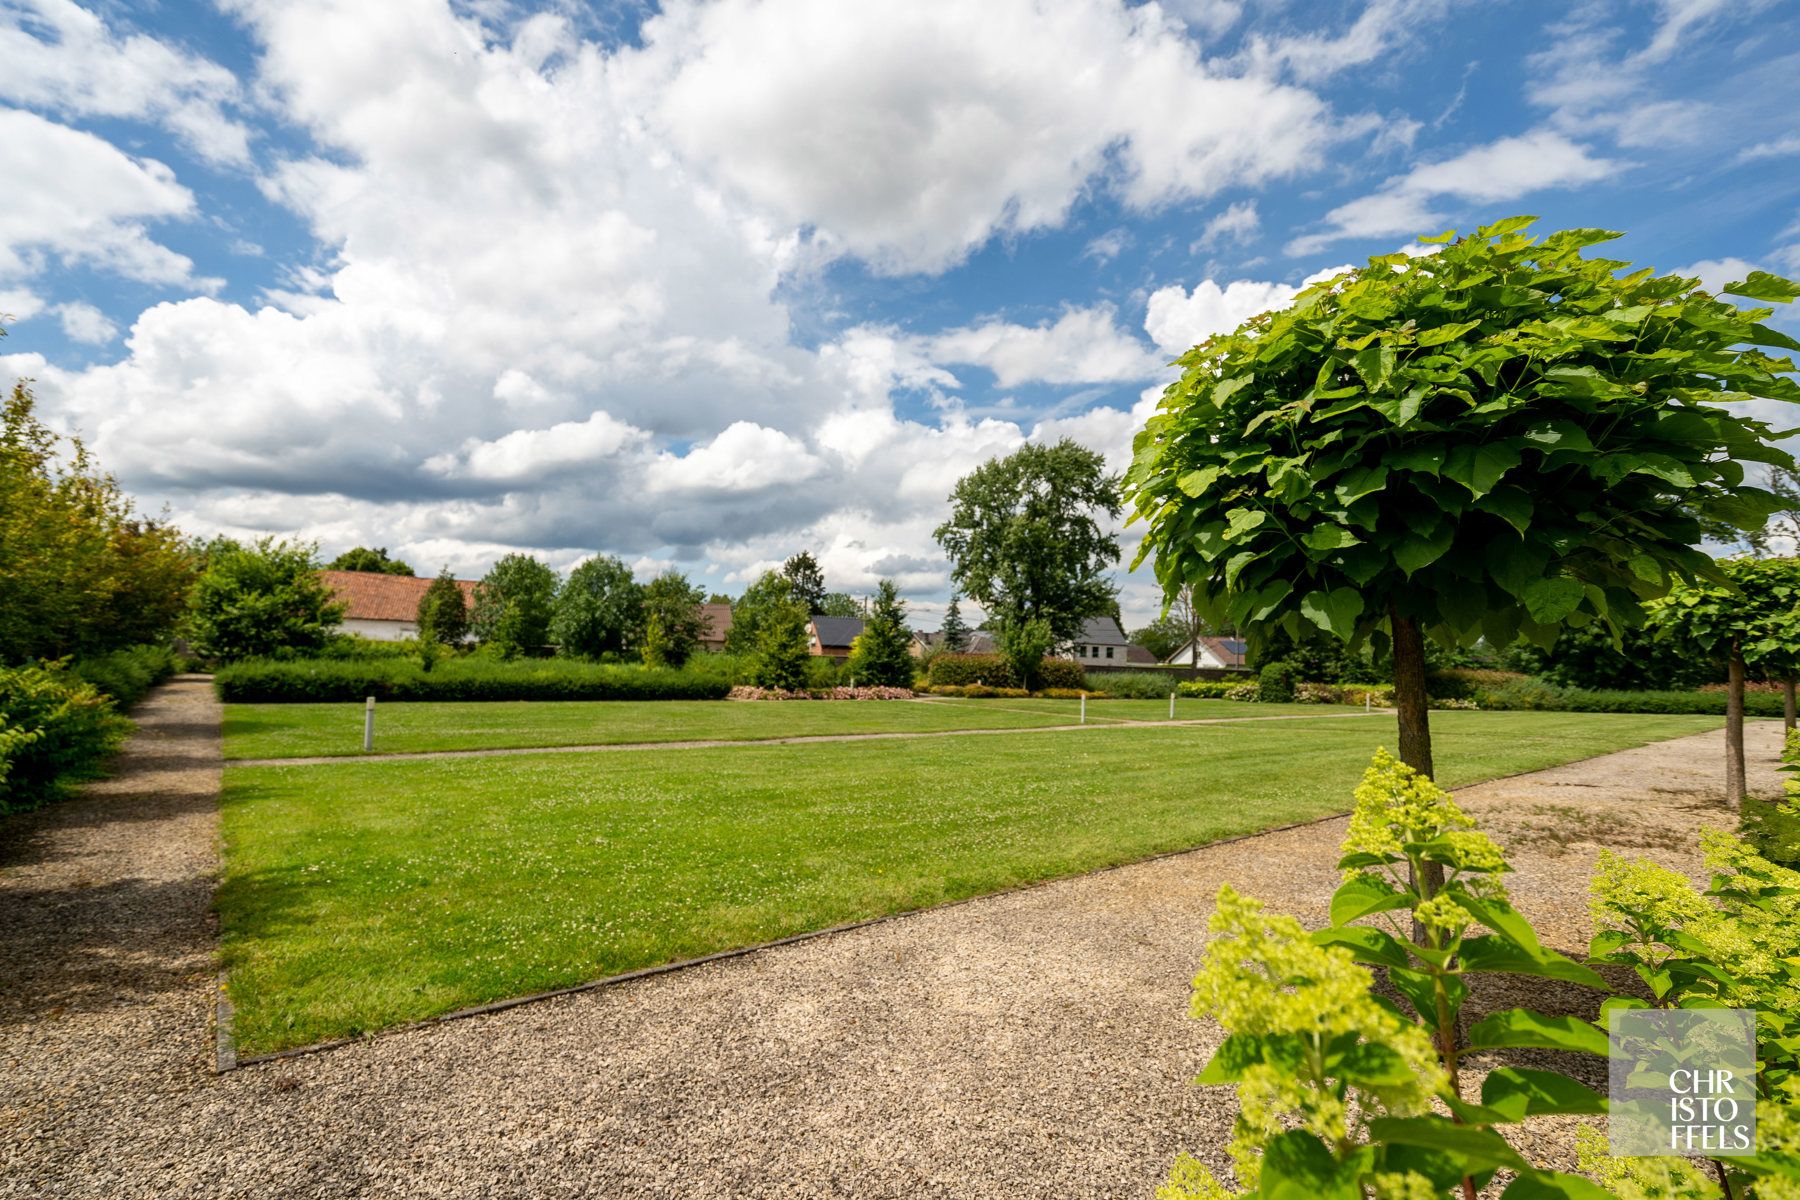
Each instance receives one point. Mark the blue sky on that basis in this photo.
(710, 283)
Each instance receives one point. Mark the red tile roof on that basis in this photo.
(372, 596)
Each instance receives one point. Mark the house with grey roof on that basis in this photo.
(831, 637)
(1101, 642)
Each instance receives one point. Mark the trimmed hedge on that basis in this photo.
(961, 670)
(126, 675)
(1525, 694)
(1275, 685)
(54, 728)
(265, 681)
(1136, 685)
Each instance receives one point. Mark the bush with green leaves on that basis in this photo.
(673, 622)
(81, 571)
(362, 558)
(264, 600)
(1501, 438)
(598, 610)
(513, 604)
(1024, 645)
(882, 653)
(1133, 685)
(1345, 1093)
(1537, 695)
(960, 670)
(1275, 684)
(768, 591)
(55, 729)
(443, 613)
(126, 675)
(1590, 658)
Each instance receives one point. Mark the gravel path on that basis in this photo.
(1029, 1044)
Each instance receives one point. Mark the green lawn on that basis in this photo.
(297, 730)
(361, 895)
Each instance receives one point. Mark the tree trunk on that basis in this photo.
(1409, 693)
(1787, 705)
(1414, 709)
(1734, 729)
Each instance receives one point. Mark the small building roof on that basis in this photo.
(1101, 631)
(373, 596)
(837, 631)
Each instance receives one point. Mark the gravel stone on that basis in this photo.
(1035, 1043)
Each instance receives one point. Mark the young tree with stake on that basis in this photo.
(1500, 438)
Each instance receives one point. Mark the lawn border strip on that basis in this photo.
(593, 985)
(224, 1049)
(326, 760)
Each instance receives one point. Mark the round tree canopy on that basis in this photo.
(1500, 437)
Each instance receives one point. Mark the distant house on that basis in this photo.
(1100, 641)
(830, 637)
(979, 642)
(715, 625)
(1216, 653)
(383, 607)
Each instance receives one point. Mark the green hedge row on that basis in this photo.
(54, 728)
(264, 681)
(961, 670)
(1536, 694)
(126, 675)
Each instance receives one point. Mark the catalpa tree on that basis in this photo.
(1500, 438)
(1751, 619)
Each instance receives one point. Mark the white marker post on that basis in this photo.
(1171, 706)
(1368, 702)
(368, 724)
(1084, 708)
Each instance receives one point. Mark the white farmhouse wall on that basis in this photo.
(380, 631)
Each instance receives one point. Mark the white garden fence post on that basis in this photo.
(368, 724)
(1171, 706)
(1084, 708)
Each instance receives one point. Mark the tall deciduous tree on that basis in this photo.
(807, 579)
(882, 654)
(598, 609)
(839, 604)
(513, 603)
(80, 571)
(1025, 537)
(1750, 618)
(673, 622)
(443, 615)
(364, 559)
(1500, 438)
(769, 590)
(262, 601)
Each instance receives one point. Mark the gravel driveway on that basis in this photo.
(1025, 1045)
